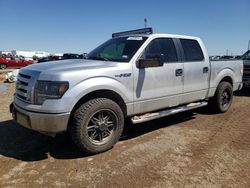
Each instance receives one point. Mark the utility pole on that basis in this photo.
(227, 52)
(145, 22)
(248, 45)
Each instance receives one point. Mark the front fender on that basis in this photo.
(99, 83)
(74, 94)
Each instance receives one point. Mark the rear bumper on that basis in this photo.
(41, 122)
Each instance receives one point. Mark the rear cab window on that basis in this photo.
(192, 50)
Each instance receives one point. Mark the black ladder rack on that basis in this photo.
(148, 30)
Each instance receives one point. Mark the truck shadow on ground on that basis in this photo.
(133, 131)
(26, 145)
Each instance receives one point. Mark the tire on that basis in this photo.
(223, 98)
(97, 125)
(3, 66)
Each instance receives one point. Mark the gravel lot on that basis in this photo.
(196, 149)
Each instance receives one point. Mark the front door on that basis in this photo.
(158, 87)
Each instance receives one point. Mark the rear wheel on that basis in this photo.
(3, 66)
(97, 125)
(223, 97)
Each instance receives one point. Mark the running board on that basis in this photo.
(163, 113)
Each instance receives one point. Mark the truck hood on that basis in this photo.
(75, 70)
(70, 65)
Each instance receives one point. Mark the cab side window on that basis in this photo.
(164, 47)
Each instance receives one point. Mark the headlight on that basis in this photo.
(49, 90)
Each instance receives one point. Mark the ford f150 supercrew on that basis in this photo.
(136, 74)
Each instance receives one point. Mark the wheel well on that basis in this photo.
(102, 94)
(227, 79)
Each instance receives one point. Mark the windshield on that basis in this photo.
(119, 49)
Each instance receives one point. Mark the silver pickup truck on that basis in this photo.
(136, 74)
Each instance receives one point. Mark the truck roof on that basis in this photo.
(172, 36)
(159, 35)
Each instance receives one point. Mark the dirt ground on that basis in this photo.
(196, 149)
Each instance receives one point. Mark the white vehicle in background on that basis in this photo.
(136, 74)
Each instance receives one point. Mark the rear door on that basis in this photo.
(159, 87)
(196, 71)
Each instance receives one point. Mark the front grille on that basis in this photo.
(25, 84)
(24, 76)
(22, 85)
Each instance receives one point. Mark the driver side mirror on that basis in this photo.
(152, 60)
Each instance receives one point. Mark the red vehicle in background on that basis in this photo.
(14, 62)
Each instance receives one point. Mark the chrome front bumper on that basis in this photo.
(41, 122)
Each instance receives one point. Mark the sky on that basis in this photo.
(77, 26)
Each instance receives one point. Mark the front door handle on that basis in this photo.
(205, 69)
(178, 72)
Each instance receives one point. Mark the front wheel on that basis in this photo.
(97, 125)
(223, 97)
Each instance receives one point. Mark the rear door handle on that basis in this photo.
(205, 69)
(178, 72)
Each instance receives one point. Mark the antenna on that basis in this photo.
(145, 22)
